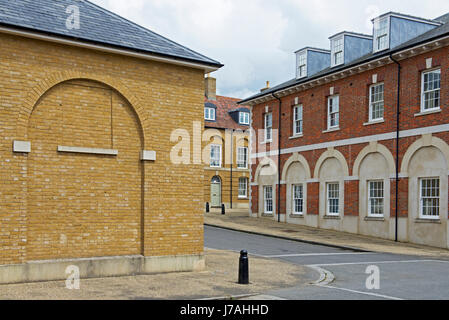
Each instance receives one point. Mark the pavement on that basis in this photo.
(340, 273)
(239, 220)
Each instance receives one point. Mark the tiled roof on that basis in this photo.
(96, 25)
(224, 120)
(435, 33)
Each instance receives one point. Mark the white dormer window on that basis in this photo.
(337, 51)
(209, 114)
(244, 118)
(381, 34)
(302, 65)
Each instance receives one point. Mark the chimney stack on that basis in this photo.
(266, 88)
(211, 88)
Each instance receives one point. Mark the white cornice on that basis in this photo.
(130, 53)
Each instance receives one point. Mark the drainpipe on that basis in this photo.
(232, 159)
(398, 112)
(279, 158)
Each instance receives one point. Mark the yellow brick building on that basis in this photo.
(85, 124)
(225, 144)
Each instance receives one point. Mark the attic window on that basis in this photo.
(337, 51)
(381, 34)
(209, 114)
(302, 65)
(244, 118)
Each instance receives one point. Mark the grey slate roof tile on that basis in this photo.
(96, 24)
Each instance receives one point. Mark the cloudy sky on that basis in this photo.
(255, 39)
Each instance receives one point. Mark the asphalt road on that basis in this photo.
(343, 273)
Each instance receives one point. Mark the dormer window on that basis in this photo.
(337, 51)
(244, 118)
(209, 114)
(302, 65)
(381, 34)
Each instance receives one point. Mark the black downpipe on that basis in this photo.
(398, 112)
(232, 161)
(279, 158)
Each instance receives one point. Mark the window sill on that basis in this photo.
(269, 215)
(380, 219)
(331, 130)
(266, 142)
(296, 136)
(374, 122)
(327, 217)
(422, 220)
(243, 198)
(425, 113)
(297, 216)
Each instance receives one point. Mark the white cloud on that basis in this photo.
(255, 39)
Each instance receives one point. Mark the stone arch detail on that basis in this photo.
(54, 79)
(296, 158)
(375, 147)
(425, 141)
(264, 163)
(331, 153)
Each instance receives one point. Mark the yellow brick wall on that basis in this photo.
(239, 140)
(56, 205)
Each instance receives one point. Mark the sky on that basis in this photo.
(256, 39)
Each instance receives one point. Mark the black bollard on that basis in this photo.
(223, 209)
(207, 207)
(244, 268)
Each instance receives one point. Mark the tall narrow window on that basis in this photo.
(333, 199)
(268, 199)
(375, 198)
(268, 127)
(376, 102)
(302, 65)
(430, 198)
(243, 188)
(242, 158)
(298, 199)
(215, 156)
(333, 112)
(431, 86)
(381, 34)
(337, 51)
(297, 120)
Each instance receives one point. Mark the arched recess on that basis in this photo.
(331, 153)
(43, 86)
(425, 141)
(375, 148)
(296, 158)
(266, 162)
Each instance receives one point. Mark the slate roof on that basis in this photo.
(224, 105)
(97, 25)
(435, 33)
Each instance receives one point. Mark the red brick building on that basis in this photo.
(361, 135)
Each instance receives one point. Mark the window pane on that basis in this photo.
(430, 198)
(431, 90)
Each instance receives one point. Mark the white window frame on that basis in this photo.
(268, 128)
(241, 185)
(295, 199)
(242, 157)
(209, 114)
(302, 65)
(329, 200)
(219, 158)
(329, 114)
(341, 51)
(378, 34)
(370, 197)
(422, 198)
(423, 92)
(372, 103)
(244, 118)
(298, 120)
(268, 202)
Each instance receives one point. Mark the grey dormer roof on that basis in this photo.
(97, 25)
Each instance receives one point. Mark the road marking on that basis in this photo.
(360, 292)
(373, 263)
(318, 254)
(326, 277)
